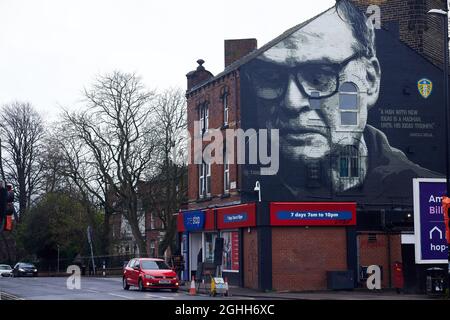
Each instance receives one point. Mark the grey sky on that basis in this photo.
(51, 49)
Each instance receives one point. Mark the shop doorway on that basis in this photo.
(195, 244)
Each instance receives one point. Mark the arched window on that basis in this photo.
(348, 104)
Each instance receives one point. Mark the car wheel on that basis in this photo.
(141, 285)
(174, 290)
(126, 286)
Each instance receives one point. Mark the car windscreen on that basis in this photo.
(5, 268)
(154, 265)
(26, 265)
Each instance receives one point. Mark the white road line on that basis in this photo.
(93, 291)
(120, 296)
(152, 296)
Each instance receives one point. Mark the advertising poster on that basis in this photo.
(230, 251)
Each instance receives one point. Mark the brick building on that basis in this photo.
(341, 200)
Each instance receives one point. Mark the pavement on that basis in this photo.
(356, 294)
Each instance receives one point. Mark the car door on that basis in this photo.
(129, 271)
(135, 272)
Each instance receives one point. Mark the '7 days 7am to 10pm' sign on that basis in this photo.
(313, 213)
(429, 228)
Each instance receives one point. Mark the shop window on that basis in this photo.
(348, 104)
(208, 248)
(230, 262)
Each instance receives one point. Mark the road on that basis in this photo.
(54, 288)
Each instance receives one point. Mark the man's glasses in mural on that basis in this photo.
(315, 80)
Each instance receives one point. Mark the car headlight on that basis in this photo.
(21, 270)
(34, 270)
(147, 276)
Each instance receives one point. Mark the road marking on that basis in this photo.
(120, 296)
(93, 291)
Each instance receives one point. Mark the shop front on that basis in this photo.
(200, 231)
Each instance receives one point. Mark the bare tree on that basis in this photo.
(22, 133)
(117, 131)
(75, 164)
(168, 188)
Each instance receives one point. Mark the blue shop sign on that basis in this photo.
(194, 220)
(235, 217)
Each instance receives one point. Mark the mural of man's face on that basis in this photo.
(315, 61)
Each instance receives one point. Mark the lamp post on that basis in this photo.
(443, 14)
(57, 268)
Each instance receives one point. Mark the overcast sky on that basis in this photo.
(51, 49)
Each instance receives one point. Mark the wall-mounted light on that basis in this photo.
(258, 189)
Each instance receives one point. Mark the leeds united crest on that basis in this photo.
(425, 87)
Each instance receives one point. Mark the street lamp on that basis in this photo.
(57, 268)
(258, 189)
(443, 14)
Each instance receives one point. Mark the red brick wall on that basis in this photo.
(377, 253)
(302, 256)
(238, 48)
(211, 93)
(250, 258)
(418, 30)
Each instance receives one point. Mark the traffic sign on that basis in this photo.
(429, 228)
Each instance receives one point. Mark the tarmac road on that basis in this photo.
(55, 288)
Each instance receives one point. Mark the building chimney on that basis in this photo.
(236, 49)
(198, 76)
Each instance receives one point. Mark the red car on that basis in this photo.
(146, 273)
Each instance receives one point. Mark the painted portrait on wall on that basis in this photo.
(317, 86)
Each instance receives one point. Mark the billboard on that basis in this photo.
(358, 112)
(429, 228)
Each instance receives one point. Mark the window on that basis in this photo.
(224, 93)
(349, 163)
(152, 220)
(204, 179)
(348, 104)
(314, 103)
(208, 178)
(226, 173)
(201, 180)
(208, 249)
(152, 248)
(204, 118)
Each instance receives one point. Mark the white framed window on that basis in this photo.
(208, 179)
(348, 104)
(201, 180)
(153, 248)
(204, 118)
(225, 109)
(226, 173)
(204, 180)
